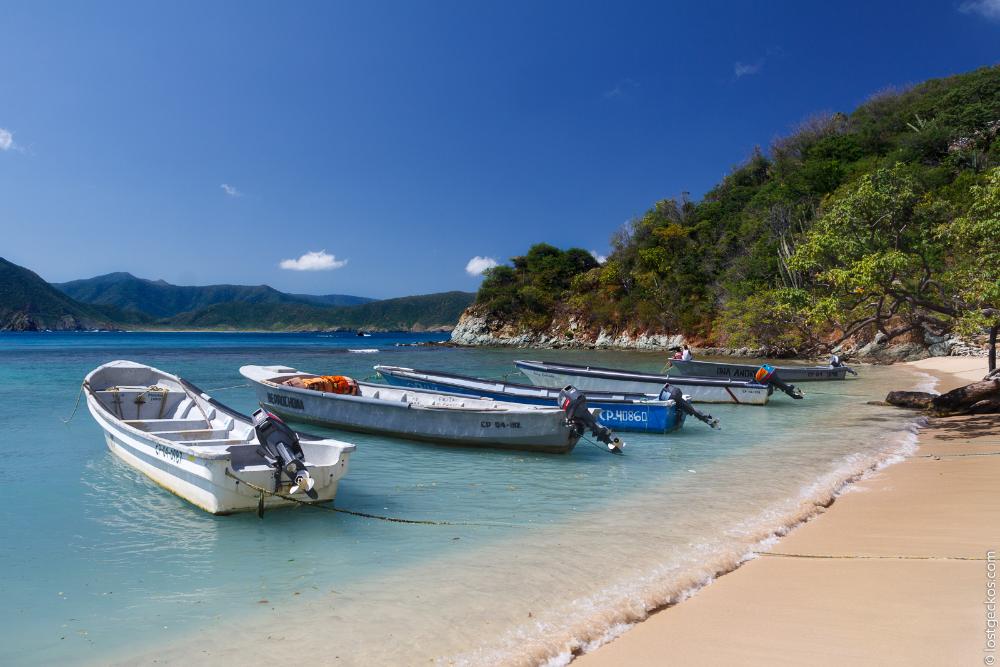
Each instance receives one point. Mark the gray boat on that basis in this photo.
(701, 390)
(724, 370)
(437, 417)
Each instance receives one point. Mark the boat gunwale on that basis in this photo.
(613, 373)
(516, 408)
(837, 369)
(502, 385)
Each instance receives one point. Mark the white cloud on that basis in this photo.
(313, 261)
(231, 190)
(744, 69)
(987, 8)
(6, 139)
(599, 257)
(478, 264)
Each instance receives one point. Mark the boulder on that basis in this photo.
(917, 400)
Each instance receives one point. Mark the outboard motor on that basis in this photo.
(767, 375)
(835, 362)
(279, 446)
(574, 404)
(671, 393)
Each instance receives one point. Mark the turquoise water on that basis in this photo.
(100, 565)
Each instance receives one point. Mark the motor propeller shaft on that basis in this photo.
(574, 403)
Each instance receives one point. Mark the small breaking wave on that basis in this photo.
(559, 635)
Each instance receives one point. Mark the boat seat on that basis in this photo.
(160, 425)
(155, 403)
(195, 435)
(211, 443)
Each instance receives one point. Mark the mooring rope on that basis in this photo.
(235, 386)
(777, 554)
(366, 515)
(75, 407)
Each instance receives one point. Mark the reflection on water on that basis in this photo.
(143, 519)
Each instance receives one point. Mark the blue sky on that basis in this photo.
(205, 142)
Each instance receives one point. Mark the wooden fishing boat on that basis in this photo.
(701, 390)
(722, 369)
(204, 452)
(662, 412)
(444, 418)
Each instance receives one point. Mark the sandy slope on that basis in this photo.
(893, 573)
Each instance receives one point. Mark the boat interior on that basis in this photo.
(162, 406)
(411, 397)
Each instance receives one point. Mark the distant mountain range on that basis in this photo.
(121, 300)
(160, 299)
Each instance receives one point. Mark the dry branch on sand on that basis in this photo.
(973, 399)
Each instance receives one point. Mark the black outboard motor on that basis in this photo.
(279, 446)
(767, 375)
(669, 392)
(574, 404)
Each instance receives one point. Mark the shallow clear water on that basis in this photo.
(99, 564)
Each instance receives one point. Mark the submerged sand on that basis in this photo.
(894, 572)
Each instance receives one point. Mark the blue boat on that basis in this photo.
(648, 413)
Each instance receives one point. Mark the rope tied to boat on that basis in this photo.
(365, 515)
(140, 399)
(79, 395)
(235, 386)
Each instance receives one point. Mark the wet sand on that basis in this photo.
(893, 573)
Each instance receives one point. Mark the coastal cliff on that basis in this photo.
(476, 328)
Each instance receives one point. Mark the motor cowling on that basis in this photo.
(672, 393)
(280, 447)
(574, 403)
(767, 374)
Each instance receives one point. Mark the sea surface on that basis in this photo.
(538, 556)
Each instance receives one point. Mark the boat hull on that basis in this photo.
(544, 431)
(597, 380)
(711, 369)
(203, 482)
(641, 416)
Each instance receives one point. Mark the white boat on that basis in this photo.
(594, 378)
(429, 416)
(205, 452)
(719, 369)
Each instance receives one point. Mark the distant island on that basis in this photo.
(123, 301)
(874, 234)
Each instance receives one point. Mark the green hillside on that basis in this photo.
(160, 299)
(28, 303)
(332, 299)
(881, 220)
(427, 311)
